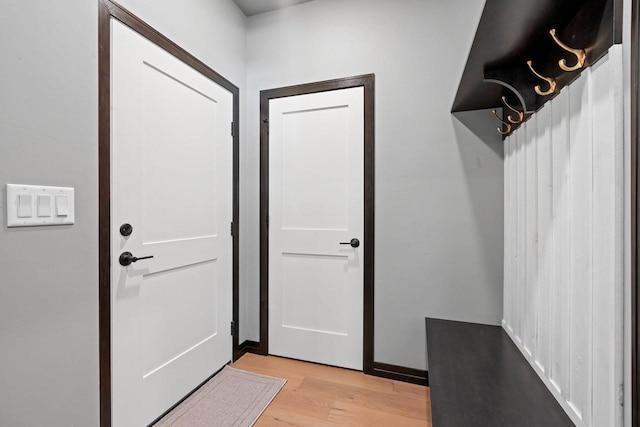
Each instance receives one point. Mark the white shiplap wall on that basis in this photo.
(563, 265)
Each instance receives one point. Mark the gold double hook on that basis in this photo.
(550, 80)
(580, 54)
(500, 131)
(518, 112)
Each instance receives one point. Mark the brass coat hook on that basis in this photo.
(550, 80)
(500, 131)
(518, 112)
(579, 53)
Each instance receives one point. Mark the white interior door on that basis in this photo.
(316, 202)
(172, 182)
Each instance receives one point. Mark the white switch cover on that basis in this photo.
(32, 205)
(62, 206)
(44, 206)
(25, 206)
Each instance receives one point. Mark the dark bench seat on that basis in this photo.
(478, 377)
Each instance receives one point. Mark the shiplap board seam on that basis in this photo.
(601, 396)
(581, 284)
(544, 238)
(616, 51)
(531, 284)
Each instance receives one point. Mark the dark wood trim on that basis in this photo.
(107, 10)
(369, 220)
(618, 21)
(368, 82)
(104, 211)
(400, 373)
(249, 346)
(635, 188)
(235, 229)
(264, 225)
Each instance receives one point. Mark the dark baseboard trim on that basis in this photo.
(379, 369)
(249, 346)
(400, 373)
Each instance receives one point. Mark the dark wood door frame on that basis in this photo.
(109, 10)
(635, 196)
(368, 82)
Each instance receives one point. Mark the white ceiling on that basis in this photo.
(254, 7)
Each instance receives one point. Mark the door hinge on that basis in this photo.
(233, 328)
(233, 129)
(232, 228)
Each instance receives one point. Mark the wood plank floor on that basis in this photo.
(318, 395)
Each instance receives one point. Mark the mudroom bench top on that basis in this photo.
(478, 377)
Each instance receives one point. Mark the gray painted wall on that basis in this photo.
(48, 135)
(48, 276)
(439, 203)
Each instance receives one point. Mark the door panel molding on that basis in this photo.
(107, 11)
(368, 83)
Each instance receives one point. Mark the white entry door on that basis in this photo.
(172, 183)
(316, 208)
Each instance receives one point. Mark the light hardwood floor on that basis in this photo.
(318, 395)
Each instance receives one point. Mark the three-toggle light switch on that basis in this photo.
(35, 205)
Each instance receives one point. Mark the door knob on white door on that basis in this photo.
(126, 258)
(354, 243)
(126, 230)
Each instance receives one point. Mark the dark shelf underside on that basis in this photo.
(511, 32)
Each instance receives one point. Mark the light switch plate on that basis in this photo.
(14, 191)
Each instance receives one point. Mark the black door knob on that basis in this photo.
(126, 229)
(354, 243)
(126, 258)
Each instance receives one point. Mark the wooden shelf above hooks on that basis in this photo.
(512, 32)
